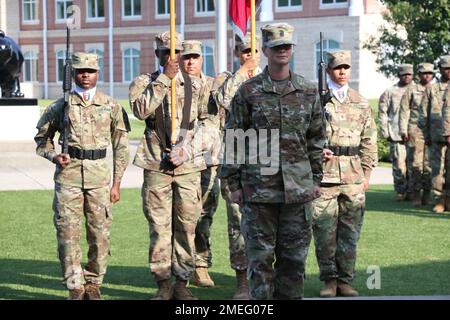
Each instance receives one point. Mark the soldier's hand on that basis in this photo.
(327, 154)
(62, 160)
(366, 185)
(171, 68)
(250, 65)
(405, 138)
(237, 197)
(115, 193)
(316, 191)
(178, 155)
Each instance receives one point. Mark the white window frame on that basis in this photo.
(63, 20)
(133, 17)
(325, 50)
(162, 16)
(57, 50)
(289, 7)
(34, 3)
(125, 46)
(35, 55)
(334, 5)
(208, 43)
(203, 13)
(95, 19)
(88, 47)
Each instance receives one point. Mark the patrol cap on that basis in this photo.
(163, 41)
(444, 62)
(425, 67)
(192, 47)
(405, 69)
(339, 58)
(277, 34)
(247, 44)
(84, 60)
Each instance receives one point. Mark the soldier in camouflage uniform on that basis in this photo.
(412, 123)
(82, 177)
(389, 110)
(171, 192)
(349, 157)
(446, 134)
(433, 102)
(276, 213)
(229, 83)
(191, 63)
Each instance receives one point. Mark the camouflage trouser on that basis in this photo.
(236, 242)
(437, 153)
(399, 168)
(172, 206)
(69, 205)
(277, 238)
(337, 219)
(419, 169)
(210, 201)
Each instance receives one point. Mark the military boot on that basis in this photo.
(416, 199)
(426, 197)
(447, 203)
(181, 292)
(400, 196)
(242, 286)
(165, 291)
(201, 278)
(329, 289)
(345, 290)
(439, 206)
(76, 294)
(92, 292)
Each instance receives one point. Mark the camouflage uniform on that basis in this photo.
(413, 123)
(338, 214)
(276, 216)
(446, 134)
(389, 110)
(171, 196)
(82, 188)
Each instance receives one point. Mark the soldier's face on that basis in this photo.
(164, 56)
(406, 79)
(426, 77)
(279, 55)
(86, 78)
(192, 64)
(445, 73)
(341, 74)
(244, 55)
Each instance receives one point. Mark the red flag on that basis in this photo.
(239, 15)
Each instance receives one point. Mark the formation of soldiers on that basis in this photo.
(324, 157)
(414, 119)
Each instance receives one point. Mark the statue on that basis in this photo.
(11, 60)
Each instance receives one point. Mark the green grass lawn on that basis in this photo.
(410, 246)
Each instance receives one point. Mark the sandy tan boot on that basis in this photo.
(92, 292)
(181, 292)
(440, 206)
(345, 290)
(400, 196)
(76, 294)
(165, 291)
(242, 286)
(329, 289)
(416, 199)
(426, 197)
(201, 278)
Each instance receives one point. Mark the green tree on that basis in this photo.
(415, 31)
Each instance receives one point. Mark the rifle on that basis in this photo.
(323, 87)
(67, 87)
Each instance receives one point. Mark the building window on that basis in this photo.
(101, 63)
(131, 8)
(131, 64)
(30, 10)
(208, 61)
(30, 66)
(204, 7)
(333, 3)
(60, 59)
(95, 9)
(162, 8)
(288, 5)
(61, 9)
(328, 46)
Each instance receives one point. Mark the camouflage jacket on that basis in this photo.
(446, 113)
(389, 111)
(146, 95)
(296, 116)
(350, 124)
(92, 126)
(413, 117)
(433, 102)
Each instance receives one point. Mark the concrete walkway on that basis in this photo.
(22, 169)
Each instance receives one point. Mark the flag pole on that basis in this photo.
(253, 30)
(173, 101)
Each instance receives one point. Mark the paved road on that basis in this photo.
(22, 169)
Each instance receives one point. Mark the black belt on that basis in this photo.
(87, 154)
(344, 151)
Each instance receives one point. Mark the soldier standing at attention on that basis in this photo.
(191, 63)
(82, 178)
(389, 110)
(276, 213)
(228, 85)
(432, 102)
(171, 192)
(413, 123)
(349, 157)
